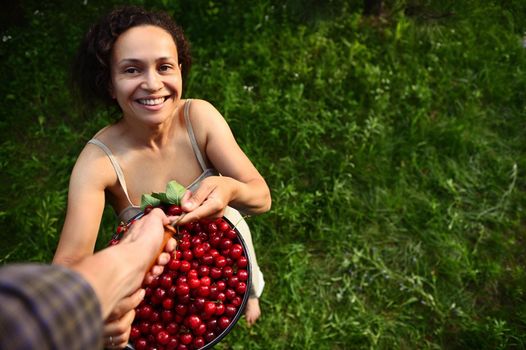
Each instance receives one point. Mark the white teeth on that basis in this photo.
(152, 102)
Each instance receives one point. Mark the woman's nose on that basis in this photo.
(152, 81)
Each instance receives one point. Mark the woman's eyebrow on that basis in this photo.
(136, 60)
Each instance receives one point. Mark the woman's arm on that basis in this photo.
(241, 185)
(90, 176)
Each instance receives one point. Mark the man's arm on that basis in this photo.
(53, 307)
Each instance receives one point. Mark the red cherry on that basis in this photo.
(192, 274)
(172, 344)
(230, 294)
(220, 261)
(207, 259)
(182, 289)
(159, 293)
(214, 253)
(194, 283)
(184, 299)
(221, 285)
(184, 244)
(203, 291)
(223, 322)
(199, 251)
(188, 255)
(203, 271)
(225, 243)
(200, 303)
(214, 240)
(212, 227)
(145, 312)
(206, 281)
(135, 332)
(144, 327)
(209, 308)
(168, 303)
(213, 292)
(155, 317)
(172, 292)
(181, 309)
(203, 236)
(174, 264)
(220, 309)
(186, 338)
(167, 316)
(232, 281)
(200, 330)
(237, 301)
(174, 210)
(242, 275)
(141, 344)
(193, 321)
(156, 328)
(221, 296)
(172, 328)
(230, 310)
(177, 255)
(216, 272)
(236, 251)
(241, 288)
(223, 226)
(185, 266)
(231, 234)
(196, 241)
(166, 281)
(242, 262)
(163, 337)
(228, 271)
(199, 342)
(209, 336)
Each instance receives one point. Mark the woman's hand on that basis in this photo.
(210, 199)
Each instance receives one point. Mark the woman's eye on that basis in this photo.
(165, 68)
(131, 70)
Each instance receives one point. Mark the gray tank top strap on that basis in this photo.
(116, 166)
(193, 140)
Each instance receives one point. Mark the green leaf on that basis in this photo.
(174, 192)
(161, 196)
(147, 199)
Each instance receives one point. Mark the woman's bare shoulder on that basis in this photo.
(205, 116)
(94, 167)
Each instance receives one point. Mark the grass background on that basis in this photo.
(394, 148)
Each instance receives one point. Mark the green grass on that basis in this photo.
(394, 149)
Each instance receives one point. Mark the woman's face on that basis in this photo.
(145, 74)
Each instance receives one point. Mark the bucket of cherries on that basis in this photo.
(204, 288)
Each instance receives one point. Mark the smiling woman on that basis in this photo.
(138, 60)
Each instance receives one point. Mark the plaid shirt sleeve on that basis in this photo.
(47, 307)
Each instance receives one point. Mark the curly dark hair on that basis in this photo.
(91, 71)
